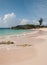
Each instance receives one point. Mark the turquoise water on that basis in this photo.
(11, 31)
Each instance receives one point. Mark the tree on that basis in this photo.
(40, 21)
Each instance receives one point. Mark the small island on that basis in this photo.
(31, 26)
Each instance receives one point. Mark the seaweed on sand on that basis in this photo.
(8, 42)
(24, 45)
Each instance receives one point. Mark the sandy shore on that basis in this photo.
(18, 54)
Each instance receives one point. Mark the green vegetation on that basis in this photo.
(40, 21)
(30, 26)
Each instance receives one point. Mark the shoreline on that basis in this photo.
(29, 49)
(17, 35)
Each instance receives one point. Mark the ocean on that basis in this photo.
(4, 31)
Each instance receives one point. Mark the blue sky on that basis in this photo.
(15, 12)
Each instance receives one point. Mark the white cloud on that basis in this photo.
(35, 22)
(24, 21)
(8, 17)
(8, 20)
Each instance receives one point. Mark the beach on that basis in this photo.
(28, 48)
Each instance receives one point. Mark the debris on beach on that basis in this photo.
(8, 42)
(24, 45)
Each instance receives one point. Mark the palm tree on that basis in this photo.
(40, 21)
